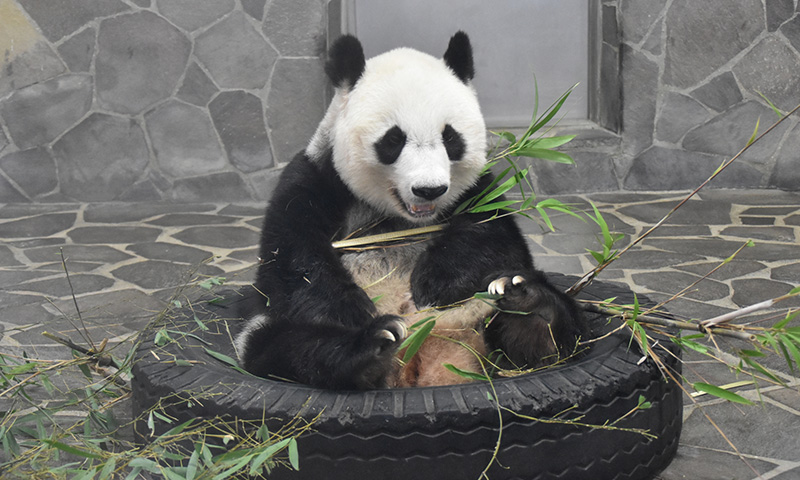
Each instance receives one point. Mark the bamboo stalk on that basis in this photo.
(666, 322)
(387, 237)
(588, 277)
(746, 310)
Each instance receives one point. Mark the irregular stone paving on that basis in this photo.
(125, 261)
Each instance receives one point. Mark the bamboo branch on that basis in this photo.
(102, 360)
(747, 310)
(666, 322)
(387, 237)
(588, 277)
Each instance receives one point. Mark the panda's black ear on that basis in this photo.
(459, 57)
(345, 61)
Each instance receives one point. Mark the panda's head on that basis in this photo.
(405, 128)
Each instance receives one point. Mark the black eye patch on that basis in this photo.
(390, 145)
(453, 143)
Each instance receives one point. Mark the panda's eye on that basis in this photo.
(390, 145)
(453, 143)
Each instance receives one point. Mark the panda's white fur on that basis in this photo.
(336, 318)
(420, 94)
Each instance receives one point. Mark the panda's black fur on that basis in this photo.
(307, 318)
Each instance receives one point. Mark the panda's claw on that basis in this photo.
(386, 334)
(498, 286)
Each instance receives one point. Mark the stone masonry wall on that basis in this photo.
(691, 77)
(203, 100)
(144, 100)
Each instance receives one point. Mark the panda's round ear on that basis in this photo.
(459, 57)
(345, 62)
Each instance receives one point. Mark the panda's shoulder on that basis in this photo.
(312, 173)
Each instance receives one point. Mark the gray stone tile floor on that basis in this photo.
(126, 260)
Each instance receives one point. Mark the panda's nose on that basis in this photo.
(429, 193)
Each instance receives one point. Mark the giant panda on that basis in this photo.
(402, 144)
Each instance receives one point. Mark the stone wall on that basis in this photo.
(203, 100)
(692, 78)
(142, 100)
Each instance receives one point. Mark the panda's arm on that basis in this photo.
(300, 275)
(306, 319)
(461, 261)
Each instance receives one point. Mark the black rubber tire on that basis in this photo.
(438, 432)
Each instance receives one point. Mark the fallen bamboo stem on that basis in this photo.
(102, 360)
(666, 322)
(588, 277)
(747, 310)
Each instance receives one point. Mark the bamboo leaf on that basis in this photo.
(421, 322)
(720, 393)
(108, 469)
(598, 257)
(226, 359)
(545, 218)
(755, 133)
(792, 348)
(294, 457)
(200, 324)
(771, 105)
(191, 467)
(760, 368)
(266, 454)
(80, 452)
(486, 296)
(171, 473)
(503, 188)
(554, 109)
(545, 154)
(527, 203)
(414, 341)
(507, 136)
(493, 206)
(472, 201)
(465, 373)
(784, 322)
(690, 344)
(549, 142)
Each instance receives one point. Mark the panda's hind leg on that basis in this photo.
(323, 354)
(536, 324)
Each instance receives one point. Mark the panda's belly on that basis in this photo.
(385, 274)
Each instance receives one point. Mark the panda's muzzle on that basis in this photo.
(426, 207)
(429, 193)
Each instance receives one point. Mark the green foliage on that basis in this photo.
(420, 332)
(533, 143)
(61, 420)
(608, 239)
(720, 393)
(466, 374)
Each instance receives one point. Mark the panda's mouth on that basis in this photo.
(421, 210)
(416, 209)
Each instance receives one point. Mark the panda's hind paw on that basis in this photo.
(388, 332)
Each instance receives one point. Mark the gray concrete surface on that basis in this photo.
(126, 260)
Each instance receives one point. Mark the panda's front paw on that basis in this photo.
(498, 286)
(521, 293)
(536, 324)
